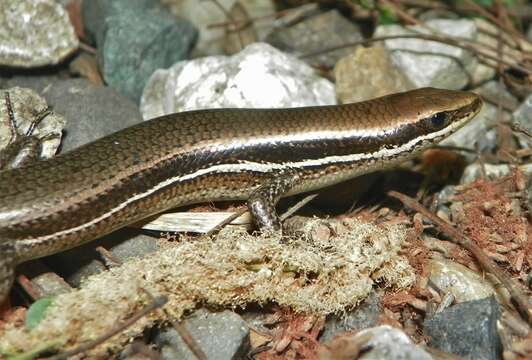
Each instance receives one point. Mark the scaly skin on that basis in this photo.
(208, 155)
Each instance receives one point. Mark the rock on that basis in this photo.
(205, 13)
(26, 104)
(476, 134)
(523, 117)
(220, 81)
(135, 38)
(317, 33)
(387, 343)
(80, 262)
(468, 330)
(364, 316)
(92, 111)
(476, 171)
(50, 284)
(222, 335)
(464, 284)
(368, 73)
(429, 63)
(35, 33)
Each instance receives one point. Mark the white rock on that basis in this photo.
(430, 63)
(260, 76)
(464, 284)
(388, 343)
(34, 33)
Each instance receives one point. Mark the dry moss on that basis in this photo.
(312, 274)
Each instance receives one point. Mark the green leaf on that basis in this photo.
(36, 312)
(386, 16)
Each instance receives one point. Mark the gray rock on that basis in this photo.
(476, 134)
(523, 117)
(464, 284)
(368, 73)
(317, 33)
(221, 336)
(364, 316)
(241, 80)
(429, 63)
(25, 104)
(50, 284)
(135, 38)
(35, 33)
(468, 330)
(388, 343)
(80, 262)
(91, 111)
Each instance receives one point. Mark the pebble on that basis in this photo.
(317, 33)
(240, 81)
(81, 262)
(429, 63)
(462, 283)
(91, 111)
(467, 329)
(135, 38)
(365, 315)
(220, 335)
(24, 43)
(368, 73)
(388, 343)
(476, 171)
(25, 104)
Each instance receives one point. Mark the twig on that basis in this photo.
(521, 301)
(155, 304)
(227, 221)
(189, 340)
(297, 206)
(231, 18)
(518, 128)
(448, 41)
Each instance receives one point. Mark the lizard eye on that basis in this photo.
(439, 120)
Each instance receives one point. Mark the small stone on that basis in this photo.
(476, 171)
(135, 39)
(467, 329)
(80, 262)
(464, 284)
(429, 63)
(92, 111)
(26, 104)
(366, 74)
(221, 336)
(388, 343)
(35, 33)
(522, 116)
(50, 284)
(240, 81)
(317, 33)
(363, 316)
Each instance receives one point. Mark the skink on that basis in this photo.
(208, 155)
